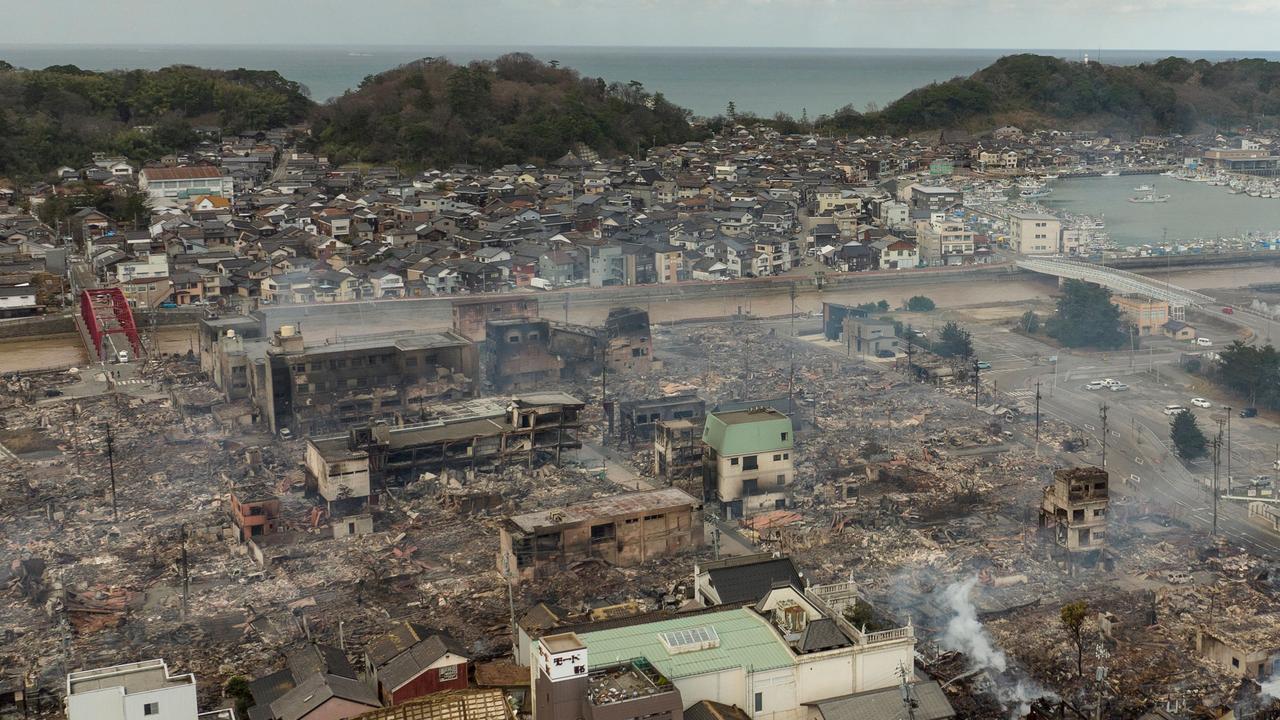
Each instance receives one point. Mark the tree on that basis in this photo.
(237, 688)
(882, 306)
(1029, 322)
(732, 110)
(1073, 616)
(920, 303)
(1251, 371)
(1086, 317)
(1188, 441)
(954, 342)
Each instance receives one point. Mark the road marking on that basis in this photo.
(1140, 461)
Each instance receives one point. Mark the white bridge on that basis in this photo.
(1120, 281)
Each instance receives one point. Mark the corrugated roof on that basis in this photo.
(886, 704)
(183, 173)
(745, 641)
(606, 507)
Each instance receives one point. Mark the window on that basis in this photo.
(733, 461)
(151, 709)
(777, 458)
(782, 480)
(759, 702)
(786, 456)
(784, 436)
(750, 463)
(1235, 662)
(447, 673)
(513, 339)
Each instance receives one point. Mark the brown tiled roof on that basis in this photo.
(183, 173)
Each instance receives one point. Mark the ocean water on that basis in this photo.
(1194, 211)
(760, 80)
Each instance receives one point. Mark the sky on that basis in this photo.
(1231, 25)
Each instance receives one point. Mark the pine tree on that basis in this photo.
(1188, 441)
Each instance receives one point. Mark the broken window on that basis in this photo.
(782, 480)
(448, 673)
(733, 461)
(750, 463)
(603, 532)
(1077, 516)
(750, 487)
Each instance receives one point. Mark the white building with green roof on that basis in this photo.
(773, 659)
(748, 468)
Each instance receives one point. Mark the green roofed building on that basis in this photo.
(747, 467)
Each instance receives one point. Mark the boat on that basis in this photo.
(1050, 177)
(1149, 198)
(1111, 173)
(1143, 189)
(1031, 193)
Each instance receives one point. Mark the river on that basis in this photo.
(1194, 210)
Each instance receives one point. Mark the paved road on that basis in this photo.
(1138, 431)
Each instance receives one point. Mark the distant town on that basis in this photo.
(761, 427)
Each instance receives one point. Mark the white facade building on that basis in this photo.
(134, 691)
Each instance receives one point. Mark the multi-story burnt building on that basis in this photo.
(517, 354)
(628, 344)
(332, 384)
(677, 450)
(1073, 513)
(471, 315)
(482, 434)
(638, 419)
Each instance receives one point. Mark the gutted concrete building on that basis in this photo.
(677, 449)
(529, 429)
(517, 354)
(1073, 512)
(628, 343)
(620, 530)
(638, 419)
(470, 315)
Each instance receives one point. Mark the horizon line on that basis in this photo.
(551, 46)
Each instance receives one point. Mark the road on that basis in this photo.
(1137, 437)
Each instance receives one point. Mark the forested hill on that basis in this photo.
(1035, 91)
(515, 109)
(61, 115)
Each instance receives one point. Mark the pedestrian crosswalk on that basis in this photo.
(1022, 394)
(132, 381)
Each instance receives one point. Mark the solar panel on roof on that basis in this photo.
(690, 639)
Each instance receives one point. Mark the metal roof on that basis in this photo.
(746, 641)
(748, 431)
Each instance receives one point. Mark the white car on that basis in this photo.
(1118, 387)
(1095, 385)
(1173, 409)
(1111, 382)
(1201, 403)
(1204, 342)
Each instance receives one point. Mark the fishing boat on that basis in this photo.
(1032, 193)
(1149, 198)
(1050, 177)
(1143, 189)
(1111, 173)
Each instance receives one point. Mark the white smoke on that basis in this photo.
(965, 634)
(1271, 688)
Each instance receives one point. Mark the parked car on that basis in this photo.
(1110, 382)
(1228, 311)
(1249, 412)
(168, 305)
(1173, 409)
(1179, 577)
(1204, 342)
(1118, 387)
(1201, 402)
(285, 433)
(1094, 385)
(983, 365)
(885, 354)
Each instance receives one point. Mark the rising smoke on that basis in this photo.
(965, 634)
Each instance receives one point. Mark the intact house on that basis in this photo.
(747, 466)
(1035, 233)
(185, 182)
(411, 661)
(144, 690)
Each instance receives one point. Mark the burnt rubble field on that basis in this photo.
(904, 487)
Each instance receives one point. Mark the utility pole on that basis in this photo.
(1037, 418)
(186, 575)
(1217, 457)
(566, 307)
(604, 390)
(1228, 409)
(1102, 413)
(793, 309)
(111, 465)
(977, 383)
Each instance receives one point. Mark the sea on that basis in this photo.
(764, 81)
(1195, 211)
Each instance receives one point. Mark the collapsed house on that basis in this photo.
(477, 434)
(620, 530)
